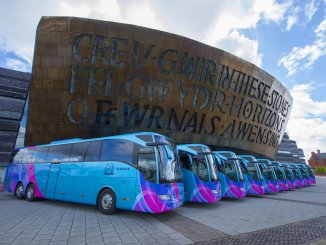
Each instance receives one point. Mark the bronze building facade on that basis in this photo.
(94, 78)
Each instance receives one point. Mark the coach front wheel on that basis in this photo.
(107, 201)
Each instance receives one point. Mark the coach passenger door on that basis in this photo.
(127, 186)
(52, 180)
(46, 155)
(62, 173)
(187, 172)
(87, 156)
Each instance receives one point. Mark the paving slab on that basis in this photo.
(292, 217)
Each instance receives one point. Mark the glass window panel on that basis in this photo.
(147, 166)
(200, 168)
(169, 168)
(59, 153)
(28, 155)
(78, 152)
(185, 161)
(18, 157)
(252, 171)
(230, 170)
(41, 154)
(93, 152)
(212, 167)
(117, 150)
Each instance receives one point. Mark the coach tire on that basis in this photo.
(107, 201)
(19, 191)
(30, 193)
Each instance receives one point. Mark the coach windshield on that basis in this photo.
(147, 163)
(279, 173)
(169, 168)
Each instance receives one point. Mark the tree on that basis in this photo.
(320, 170)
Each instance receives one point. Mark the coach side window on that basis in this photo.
(19, 156)
(118, 150)
(221, 166)
(185, 160)
(93, 152)
(59, 153)
(28, 156)
(243, 167)
(78, 152)
(41, 154)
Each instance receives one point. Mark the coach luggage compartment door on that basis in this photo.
(52, 180)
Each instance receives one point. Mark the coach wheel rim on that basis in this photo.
(30, 192)
(107, 201)
(20, 190)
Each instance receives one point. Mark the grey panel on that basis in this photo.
(5, 157)
(6, 146)
(13, 84)
(14, 87)
(11, 104)
(9, 125)
(15, 74)
(10, 115)
(7, 136)
(13, 94)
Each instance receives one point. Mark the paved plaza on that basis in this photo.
(292, 217)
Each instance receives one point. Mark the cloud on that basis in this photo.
(241, 46)
(19, 36)
(18, 27)
(271, 10)
(307, 124)
(320, 30)
(245, 15)
(291, 21)
(189, 18)
(300, 14)
(214, 23)
(310, 9)
(292, 18)
(301, 58)
(17, 64)
(137, 12)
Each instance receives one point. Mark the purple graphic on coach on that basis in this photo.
(148, 201)
(282, 185)
(290, 184)
(235, 189)
(204, 191)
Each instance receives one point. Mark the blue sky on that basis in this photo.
(285, 38)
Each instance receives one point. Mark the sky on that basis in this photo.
(285, 38)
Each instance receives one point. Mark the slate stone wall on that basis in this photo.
(14, 87)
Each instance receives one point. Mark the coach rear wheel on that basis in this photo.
(107, 202)
(19, 192)
(30, 193)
